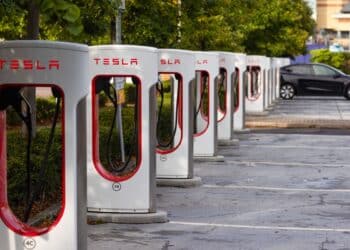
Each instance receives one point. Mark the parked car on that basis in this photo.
(313, 79)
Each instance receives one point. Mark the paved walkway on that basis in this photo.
(305, 112)
(276, 190)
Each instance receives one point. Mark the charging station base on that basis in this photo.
(127, 218)
(181, 183)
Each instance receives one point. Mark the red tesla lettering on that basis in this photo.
(115, 61)
(14, 64)
(38, 66)
(162, 61)
(97, 60)
(124, 63)
(54, 64)
(2, 62)
(177, 61)
(27, 64)
(134, 61)
(105, 61)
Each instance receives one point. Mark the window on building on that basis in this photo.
(344, 34)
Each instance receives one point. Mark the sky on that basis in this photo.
(312, 4)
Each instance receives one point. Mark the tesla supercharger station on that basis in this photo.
(121, 139)
(257, 81)
(280, 62)
(240, 61)
(175, 147)
(225, 90)
(205, 105)
(269, 83)
(274, 66)
(52, 162)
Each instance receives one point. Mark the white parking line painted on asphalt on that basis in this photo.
(315, 229)
(278, 189)
(290, 164)
(297, 147)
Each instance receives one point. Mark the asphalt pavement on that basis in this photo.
(277, 189)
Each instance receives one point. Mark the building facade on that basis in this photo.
(333, 22)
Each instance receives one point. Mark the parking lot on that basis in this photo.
(285, 185)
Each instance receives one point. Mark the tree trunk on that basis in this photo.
(32, 34)
(33, 21)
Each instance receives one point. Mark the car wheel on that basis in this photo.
(347, 93)
(287, 91)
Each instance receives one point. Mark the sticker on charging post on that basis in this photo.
(116, 186)
(29, 243)
(119, 87)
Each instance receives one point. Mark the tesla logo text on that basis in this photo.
(27, 64)
(116, 61)
(170, 61)
(205, 61)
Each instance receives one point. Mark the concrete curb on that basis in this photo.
(233, 142)
(242, 131)
(127, 218)
(181, 183)
(299, 123)
(263, 113)
(217, 158)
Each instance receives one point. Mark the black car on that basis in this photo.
(313, 79)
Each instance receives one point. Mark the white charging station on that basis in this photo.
(269, 84)
(122, 176)
(279, 62)
(226, 90)
(62, 66)
(205, 116)
(240, 61)
(175, 156)
(256, 97)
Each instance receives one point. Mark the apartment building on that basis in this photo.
(333, 22)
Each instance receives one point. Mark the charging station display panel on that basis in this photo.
(235, 80)
(222, 94)
(169, 112)
(32, 157)
(201, 108)
(116, 126)
(253, 87)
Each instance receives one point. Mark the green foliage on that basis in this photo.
(16, 165)
(150, 22)
(46, 107)
(270, 27)
(340, 60)
(130, 93)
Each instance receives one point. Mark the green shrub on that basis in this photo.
(339, 60)
(17, 167)
(130, 93)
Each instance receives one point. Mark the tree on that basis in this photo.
(206, 26)
(35, 19)
(150, 22)
(277, 27)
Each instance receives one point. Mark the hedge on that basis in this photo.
(339, 60)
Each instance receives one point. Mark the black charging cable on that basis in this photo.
(201, 97)
(39, 188)
(221, 86)
(111, 93)
(160, 89)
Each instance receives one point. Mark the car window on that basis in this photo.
(300, 69)
(320, 70)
